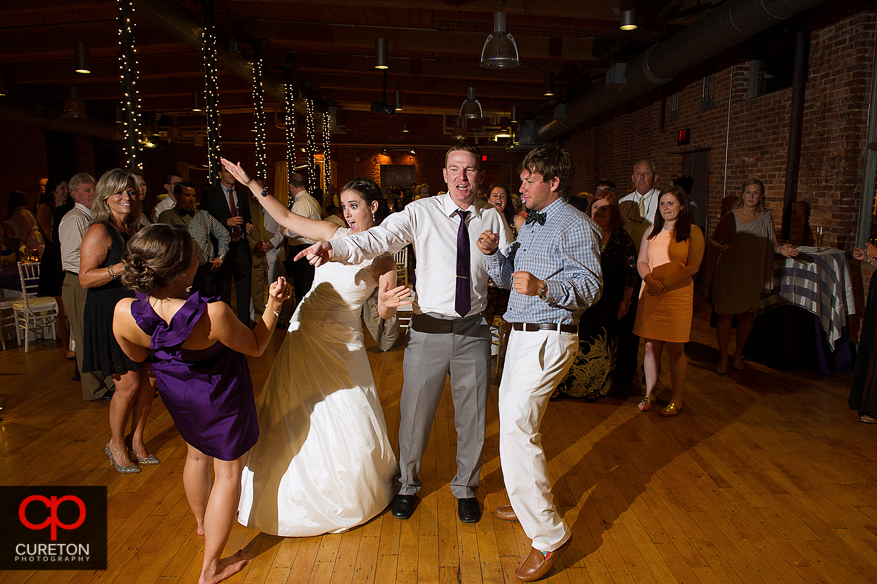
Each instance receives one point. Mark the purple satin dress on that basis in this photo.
(208, 392)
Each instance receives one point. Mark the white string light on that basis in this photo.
(211, 93)
(259, 113)
(327, 171)
(290, 134)
(313, 178)
(128, 80)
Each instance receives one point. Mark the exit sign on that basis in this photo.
(683, 137)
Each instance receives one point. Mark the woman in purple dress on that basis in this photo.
(201, 372)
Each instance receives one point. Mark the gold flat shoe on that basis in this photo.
(646, 404)
(671, 410)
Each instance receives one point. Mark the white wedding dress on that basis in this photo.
(323, 462)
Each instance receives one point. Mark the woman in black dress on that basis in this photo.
(115, 213)
(863, 395)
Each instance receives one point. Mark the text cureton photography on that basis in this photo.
(53, 528)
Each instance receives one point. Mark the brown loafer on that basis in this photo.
(506, 513)
(538, 564)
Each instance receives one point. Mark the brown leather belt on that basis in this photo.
(545, 326)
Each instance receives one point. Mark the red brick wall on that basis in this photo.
(835, 119)
(23, 160)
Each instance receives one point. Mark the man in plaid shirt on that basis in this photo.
(201, 225)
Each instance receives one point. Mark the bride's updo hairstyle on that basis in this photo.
(369, 192)
(157, 255)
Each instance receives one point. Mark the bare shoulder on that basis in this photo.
(98, 231)
(123, 309)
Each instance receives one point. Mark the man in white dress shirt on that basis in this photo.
(301, 273)
(70, 232)
(638, 209)
(448, 333)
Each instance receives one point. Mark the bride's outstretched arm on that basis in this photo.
(390, 296)
(309, 228)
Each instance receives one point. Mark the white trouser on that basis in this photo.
(536, 362)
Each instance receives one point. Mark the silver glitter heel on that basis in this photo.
(122, 469)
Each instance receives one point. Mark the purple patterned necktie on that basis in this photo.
(463, 301)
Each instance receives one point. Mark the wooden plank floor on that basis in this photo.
(765, 477)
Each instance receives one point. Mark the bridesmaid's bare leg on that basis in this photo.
(222, 507)
(196, 481)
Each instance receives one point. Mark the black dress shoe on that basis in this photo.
(106, 397)
(403, 506)
(468, 510)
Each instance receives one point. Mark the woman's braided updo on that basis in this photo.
(157, 255)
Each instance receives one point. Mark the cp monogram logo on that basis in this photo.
(53, 521)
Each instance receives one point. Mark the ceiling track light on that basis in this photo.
(549, 84)
(514, 114)
(73, 108)
(398, 100)
(196, 102)
(500, 50)
(82, 65)
(628, 19)
(459, 133)
(471, 107)
(381, 54)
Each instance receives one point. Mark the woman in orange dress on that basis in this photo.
(669, 257)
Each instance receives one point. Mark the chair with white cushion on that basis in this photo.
(33, 313)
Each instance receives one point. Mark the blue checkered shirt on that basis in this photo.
(565, 252)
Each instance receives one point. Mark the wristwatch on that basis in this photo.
(221, 257)
(264, 192)
(543, 291)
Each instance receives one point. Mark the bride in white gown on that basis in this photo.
(323, 462)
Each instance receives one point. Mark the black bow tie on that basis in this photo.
(534, 217)
(183, 213)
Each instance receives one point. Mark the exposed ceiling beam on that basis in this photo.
(404, 40)
(561, 8)
(47, 6)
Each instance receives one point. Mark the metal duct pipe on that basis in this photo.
(721, 29)
(26, 114)
(187, 27)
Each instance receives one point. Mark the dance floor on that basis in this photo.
(766, 476)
